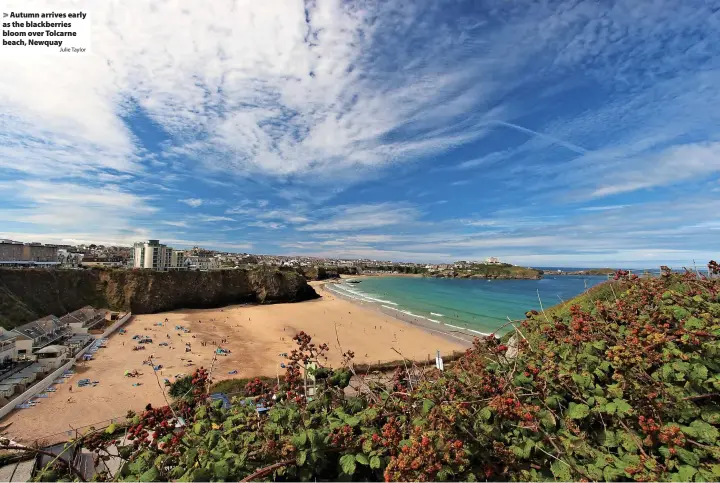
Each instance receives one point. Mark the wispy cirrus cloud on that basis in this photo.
(364, 217)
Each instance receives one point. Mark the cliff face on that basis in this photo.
(27, 295)
(325, 273)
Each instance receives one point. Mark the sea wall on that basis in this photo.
(28, 294)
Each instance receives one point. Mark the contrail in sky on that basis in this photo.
(554, 140)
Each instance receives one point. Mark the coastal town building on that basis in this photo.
(8, 348)
(152, 255)
(102, 262)
(492, 260)
(18, 253)
(177, 260)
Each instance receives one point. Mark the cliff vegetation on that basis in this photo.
(489, 271)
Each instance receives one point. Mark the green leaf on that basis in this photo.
(614, 390)
(685, 473)
(622, 406)
(352, 421)
(595, 473)
(301, 457)
(698, 373)
(367, 445)
(627, 441)
(608, 439)
(485, 413)
(427, 406)
(582, 381)
(153, 474)
(711, 416)
(221, 470)
(201, 474)
(688, 456)
(299, 439)
(347, 463)
(705, 432)
(613, 474)
(547, 419)
(694, 324)
(523, 449)
(375, 462)
(577, 411)
(561, 471)
(362, 459)
(313, 437)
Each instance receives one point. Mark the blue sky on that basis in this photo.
(568, 133)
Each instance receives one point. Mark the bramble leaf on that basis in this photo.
(577, 411)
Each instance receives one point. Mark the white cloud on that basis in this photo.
(603, 208)
(211, 218)
(267, 224)
(671, 166)
(179, 224)
(193, 202)
(362, 217)
(68, 210)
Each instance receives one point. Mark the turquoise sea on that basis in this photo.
(474, 304)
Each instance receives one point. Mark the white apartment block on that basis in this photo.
(177, 260)
(152, 255)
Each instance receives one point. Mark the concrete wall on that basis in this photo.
(115, 326)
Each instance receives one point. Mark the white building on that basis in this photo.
(8, 349)
(177, 260)
(195, 262)
(492, 260)
(152, 255)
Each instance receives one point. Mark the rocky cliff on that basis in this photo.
(325, 273)
(27, 295)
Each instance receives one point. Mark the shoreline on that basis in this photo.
(459, 334)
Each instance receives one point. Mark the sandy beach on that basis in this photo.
(255, 335)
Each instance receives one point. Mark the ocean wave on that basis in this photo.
(365, 296)
(436, 315)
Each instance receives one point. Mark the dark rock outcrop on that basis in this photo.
(326, 273)
(27, 295)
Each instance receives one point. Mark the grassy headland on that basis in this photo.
(488, 271)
